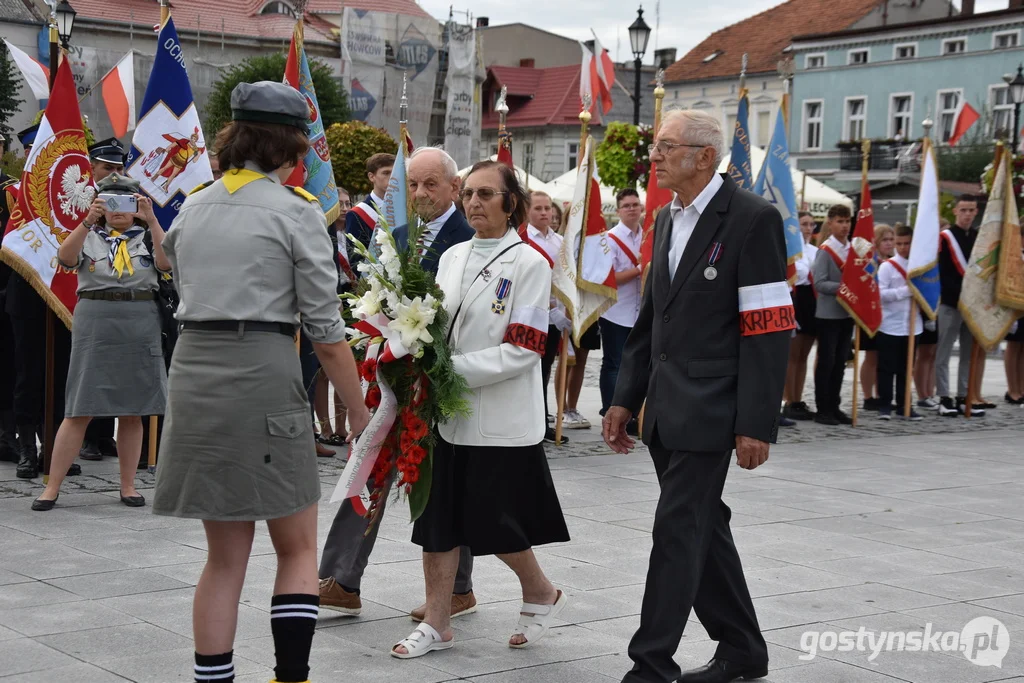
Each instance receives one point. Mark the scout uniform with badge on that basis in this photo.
(251, 259)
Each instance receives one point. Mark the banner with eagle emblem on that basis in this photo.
(55, 195)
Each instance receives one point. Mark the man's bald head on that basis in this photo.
(433, 181)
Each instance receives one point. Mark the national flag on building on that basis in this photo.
(988, 320)
(775, 183)
(118, 89)
(583, 278)
(966, 116)
(36, 75)
(314, 173)
(56, 193)
(739, 160)
(168, 155)
(923, 265)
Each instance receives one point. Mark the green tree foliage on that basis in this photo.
(616, 155)
(10, 79)
(329, 95)
(351, 144)
(90, 139)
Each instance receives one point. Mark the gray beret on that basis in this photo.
(270, 102)
(118, 184)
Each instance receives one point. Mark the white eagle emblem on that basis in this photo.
(76, 195)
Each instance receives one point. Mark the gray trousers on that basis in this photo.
(348, 548)
(951, 325)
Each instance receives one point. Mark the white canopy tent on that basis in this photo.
(530, 182)
(562, 188)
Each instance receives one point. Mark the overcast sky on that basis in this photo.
(682, 25)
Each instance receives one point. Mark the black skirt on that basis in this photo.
(805, 304)
(1018, 334)
(493, 500)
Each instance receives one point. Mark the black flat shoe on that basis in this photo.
(40, 505)
(133, 501)
(722, 671)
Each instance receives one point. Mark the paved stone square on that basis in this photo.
(887, 527)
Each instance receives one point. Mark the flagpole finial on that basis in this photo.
(502, 106)
(743, 66)
(585, 113)
(659, 83)
(403, 104)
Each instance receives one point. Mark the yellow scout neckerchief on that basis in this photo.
(237, 178)
(117, 255)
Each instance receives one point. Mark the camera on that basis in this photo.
(120, 203)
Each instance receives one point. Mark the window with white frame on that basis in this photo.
(572, 151)
(813, 115)
(730, 125)
(1002, 111)
(815, 61)
(954, 46)
(948, 101)
(859, 56)
(764, 128)
(901, 114)
(904, 51)
(856, 118)
(1005, 39)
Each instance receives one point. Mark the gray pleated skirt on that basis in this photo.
(117, 363)
(237, 443)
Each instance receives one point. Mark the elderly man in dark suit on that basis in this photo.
(434, 184)
(709, 354)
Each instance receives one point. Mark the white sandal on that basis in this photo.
(535, 620)
(421, 641)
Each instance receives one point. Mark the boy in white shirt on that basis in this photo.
(894, 334)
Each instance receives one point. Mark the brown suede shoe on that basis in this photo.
(334, 597)
(461, 605)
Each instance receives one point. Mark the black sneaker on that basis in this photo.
(985, 405)
(842, 418)
(798, 411)
(947, 408)
(826, 419)
(90, 450)
(549, 436)
(976, 409)
(914, 416)
(786, 422)
(884, 414)
(871, 404)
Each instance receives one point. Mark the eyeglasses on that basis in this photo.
(486, 194)
(346, 204)
(664, 147)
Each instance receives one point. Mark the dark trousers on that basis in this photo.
(613, 339)
(834, 341)
(310, 368)
(892, 364)
(30, 369)
(550, 354)
(694, 564)
(7, 364)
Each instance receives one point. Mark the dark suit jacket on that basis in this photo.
(355, 226)
(704, 381)
(454, 231)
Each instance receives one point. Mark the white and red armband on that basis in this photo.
(528, 329)
(766, 308)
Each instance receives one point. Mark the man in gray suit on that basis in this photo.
(709, 354)
(433, 184)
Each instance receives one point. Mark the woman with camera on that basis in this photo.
(117, 365)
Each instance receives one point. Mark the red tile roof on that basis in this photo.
(406, 7)
(240, 17)
(537, 97)
(763, 37)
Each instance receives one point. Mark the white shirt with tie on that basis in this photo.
(684, 220)
(432, 229)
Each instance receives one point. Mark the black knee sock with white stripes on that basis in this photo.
(214, 668)
(293, 621)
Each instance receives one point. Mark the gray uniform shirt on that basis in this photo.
(827, 278)
(260, 253)
(95, 271)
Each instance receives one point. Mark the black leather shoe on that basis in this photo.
(40, 505)
(133, 501)
(90, 450)
(108, 446)
(826, 419)
(842, 418)
(721, 671)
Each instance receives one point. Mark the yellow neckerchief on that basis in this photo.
(237, 178)
(120, 260)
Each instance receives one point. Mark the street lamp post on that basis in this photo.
(639, 34)
(65, 15)
(1016, 87)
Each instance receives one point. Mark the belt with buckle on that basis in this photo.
(240, 326)
(119, 295)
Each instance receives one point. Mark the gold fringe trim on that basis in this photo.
(32, 277)
(975, 328)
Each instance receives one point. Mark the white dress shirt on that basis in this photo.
(432, 228)
(804, 265)
(626, 308)
(377, 201)
(684, 220)
(895, 294)
(551, 243)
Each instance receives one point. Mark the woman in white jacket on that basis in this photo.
(491, 488)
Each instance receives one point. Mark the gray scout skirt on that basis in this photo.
(117, 363)
(237, 442)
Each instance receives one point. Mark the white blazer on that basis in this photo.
(498, 340)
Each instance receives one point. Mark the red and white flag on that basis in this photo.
(118, 88)
(37, 75)
(966, 116)
(57, 191)
(597, 75)
(657, 199)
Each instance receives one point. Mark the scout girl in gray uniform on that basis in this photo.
(117, 366)
(252, 261)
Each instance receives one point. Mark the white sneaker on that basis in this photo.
(573, 420)
(930, 403)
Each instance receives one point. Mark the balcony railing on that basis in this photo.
(883, 156)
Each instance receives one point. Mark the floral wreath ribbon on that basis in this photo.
(386, 347)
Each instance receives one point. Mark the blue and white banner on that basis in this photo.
(775, 183)
(168, 155)
(739, 160)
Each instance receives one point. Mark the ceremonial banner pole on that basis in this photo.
(48, 422)
(865, 152)
(563, 351)
(910, 359)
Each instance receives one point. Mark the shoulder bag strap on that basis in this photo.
(458, 310)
